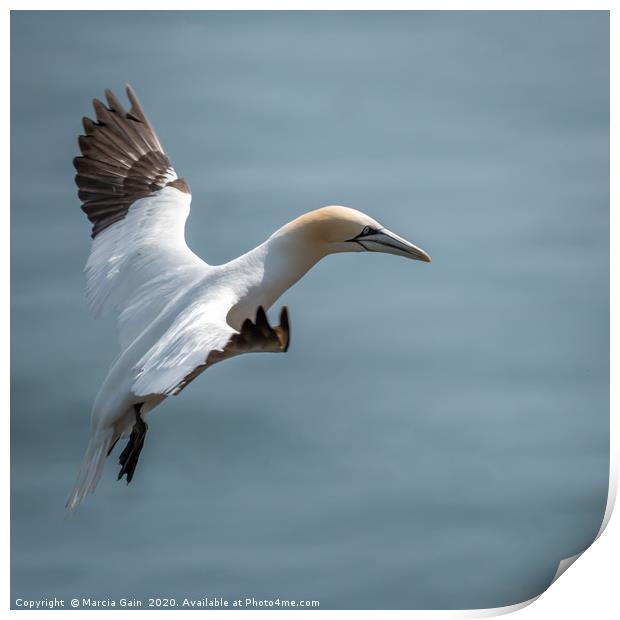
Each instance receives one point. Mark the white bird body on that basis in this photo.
(214, 300)
(176, 315)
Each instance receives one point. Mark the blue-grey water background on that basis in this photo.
(437, 435)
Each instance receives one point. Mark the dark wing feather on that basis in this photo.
(122, 160)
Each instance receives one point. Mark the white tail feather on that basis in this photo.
(91, 467)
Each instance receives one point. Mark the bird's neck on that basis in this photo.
(269, 270)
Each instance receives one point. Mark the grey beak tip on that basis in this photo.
(422, 256)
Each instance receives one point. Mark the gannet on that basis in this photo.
(177, 315)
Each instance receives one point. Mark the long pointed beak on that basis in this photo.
(388, 242)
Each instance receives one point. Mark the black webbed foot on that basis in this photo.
(128, 458)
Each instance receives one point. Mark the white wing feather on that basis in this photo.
(200, 328)
(141, 264)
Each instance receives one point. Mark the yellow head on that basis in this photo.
(341, 229)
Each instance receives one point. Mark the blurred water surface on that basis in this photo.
(437, 435)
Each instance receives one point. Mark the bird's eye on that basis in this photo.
(366, 230)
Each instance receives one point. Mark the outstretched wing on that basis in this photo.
(257, 337)
(192, 345)
(139, 261)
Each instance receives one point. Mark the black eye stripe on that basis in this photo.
(366, 231)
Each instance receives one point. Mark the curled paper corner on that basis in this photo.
(611, 496)
(501, 611)
(488, 612)
(563, 566)
(609, 508)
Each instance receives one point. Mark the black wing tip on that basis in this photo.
(88, 124)
(114, 104)
(136, 109)
(119, 145)
(98, 104)
(121, 159)
(285, 328)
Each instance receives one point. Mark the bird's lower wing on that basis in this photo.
(179, 358)
(257, 337)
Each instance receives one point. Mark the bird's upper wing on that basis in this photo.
(139, 261)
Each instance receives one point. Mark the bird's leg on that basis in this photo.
(130, 455)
